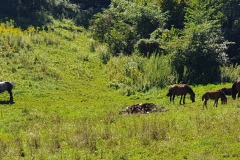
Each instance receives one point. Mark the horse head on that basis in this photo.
(224, 100)
(223, 97)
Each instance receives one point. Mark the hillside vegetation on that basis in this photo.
(65, 107)
(76, 65)
(189, 32)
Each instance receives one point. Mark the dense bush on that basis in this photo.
(195, 33)
(124, 23)
(40, 12)
(231, 27)
(202, 49)
(147, 47)
(230, 73)
(198, 48)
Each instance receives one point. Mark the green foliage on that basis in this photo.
(147, 47)
(124, 23)
(40, 12)
(176, 11)
(105, 55)
(230, 73)
(197, 41)
(203, 49)
(231, 27)
(136, 18)
(121, 40)
(207, 49)
(135, 73)
(64, 108)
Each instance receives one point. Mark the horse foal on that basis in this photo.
(215, 95)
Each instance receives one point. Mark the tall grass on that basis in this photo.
(135, 73)
(230, 73)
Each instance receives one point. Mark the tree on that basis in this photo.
(231, 27)
(203, 50)
(124, 23)
(176, 12)
(40, 12)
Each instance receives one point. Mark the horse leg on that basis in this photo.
(184, 96)
(216, 102)
(170, 98)
(11, 96)
(238, 95)
(173, 98)
(181, 99)
(205, 103)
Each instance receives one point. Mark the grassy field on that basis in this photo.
(65, 109)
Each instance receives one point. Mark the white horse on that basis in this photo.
(7, 86)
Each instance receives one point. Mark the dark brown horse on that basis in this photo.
(227, 91)
(215, 95)
(236, 89)
(181, 90)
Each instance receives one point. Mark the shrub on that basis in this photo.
(104, 54)
(147, 47)
(230, 73)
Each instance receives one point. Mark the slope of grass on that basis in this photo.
(64, 109)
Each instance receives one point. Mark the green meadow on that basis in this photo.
(65, 108)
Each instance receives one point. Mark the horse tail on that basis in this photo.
(234, 90)
(10, 85)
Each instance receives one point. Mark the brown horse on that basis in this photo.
(181, 90)
(236, 89)
(215, 95)
(227, 91)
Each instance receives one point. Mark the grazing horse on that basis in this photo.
(236, 89)
(7, 86)
(227, 91)
(215, 95)
(181, 90)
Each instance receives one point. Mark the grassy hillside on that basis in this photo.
(64, 108)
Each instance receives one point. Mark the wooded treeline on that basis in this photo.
(200, 35)
(40, 12)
